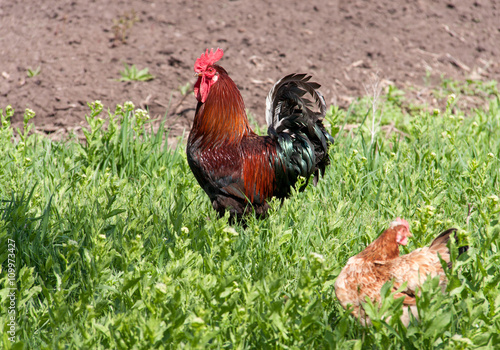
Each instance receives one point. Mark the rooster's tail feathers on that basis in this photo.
(294, 112)
(286, 98)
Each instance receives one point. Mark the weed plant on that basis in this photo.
(123, 24)
(131, 73)
(117, 246)
(33, 72)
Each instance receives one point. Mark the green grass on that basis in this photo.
(118, 247)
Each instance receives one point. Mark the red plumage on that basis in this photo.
(238, 169)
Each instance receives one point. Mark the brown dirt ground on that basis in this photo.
(342, 44)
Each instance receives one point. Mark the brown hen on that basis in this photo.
(366, 273)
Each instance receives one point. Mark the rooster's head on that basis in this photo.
(207, 75)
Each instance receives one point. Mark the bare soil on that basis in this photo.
(81, 46)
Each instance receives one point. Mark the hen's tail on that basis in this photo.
(295, 122)
(439, 243)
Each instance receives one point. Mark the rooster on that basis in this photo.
(366, 273)
(240, 170)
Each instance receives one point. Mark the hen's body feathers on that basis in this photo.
(366, 273)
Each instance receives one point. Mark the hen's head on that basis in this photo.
(206, 72)
(402, 230)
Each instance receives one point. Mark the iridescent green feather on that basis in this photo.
(296, 124)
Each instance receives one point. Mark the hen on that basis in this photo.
(238, 169)
(366, 273)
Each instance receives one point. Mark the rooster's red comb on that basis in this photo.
(206, 59)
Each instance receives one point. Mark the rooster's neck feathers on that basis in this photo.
(221, 120)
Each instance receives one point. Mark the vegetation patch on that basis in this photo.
(116, 245)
